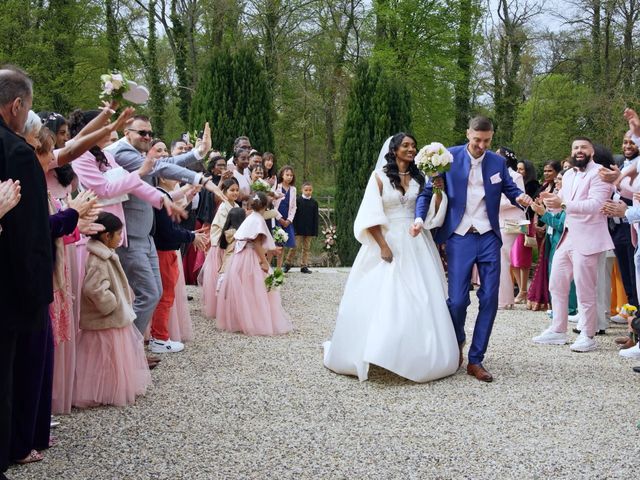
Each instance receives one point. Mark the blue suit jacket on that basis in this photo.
(456, 180)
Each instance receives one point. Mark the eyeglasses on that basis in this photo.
(142, 133)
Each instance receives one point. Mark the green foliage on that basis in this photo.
(378, 106)
(233, 96)
(552, 116)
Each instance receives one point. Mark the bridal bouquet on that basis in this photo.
(114, 86)
(260, 186)
(280, 236)
(275, 279)
(434, 159)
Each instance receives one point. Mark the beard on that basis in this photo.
(581, 164)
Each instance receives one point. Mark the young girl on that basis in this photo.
(227, 241)
(286, 207)
(212, 263)
(257, 172)
(244, 304)
(112, 366)
(269, 163)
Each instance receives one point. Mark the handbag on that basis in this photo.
(529, 239)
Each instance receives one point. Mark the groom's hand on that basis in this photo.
(414, 230)
(524, 200)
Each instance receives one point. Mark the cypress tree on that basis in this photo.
(378, 107)
(234, 97)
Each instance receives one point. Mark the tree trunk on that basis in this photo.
(113, 46)
(464, 61)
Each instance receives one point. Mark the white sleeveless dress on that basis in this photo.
(394, 315)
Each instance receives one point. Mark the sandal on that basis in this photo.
(34, 456)
(53, 441)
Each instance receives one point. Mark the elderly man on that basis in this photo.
(26, 283)
(139, 257)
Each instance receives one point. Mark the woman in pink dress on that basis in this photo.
(244, 304)
(112, 366)
(212, 263)
(521, 255)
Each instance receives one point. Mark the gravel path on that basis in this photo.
(232, 406)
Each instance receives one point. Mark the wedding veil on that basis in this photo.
(382, 161)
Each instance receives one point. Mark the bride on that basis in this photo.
(393, 312)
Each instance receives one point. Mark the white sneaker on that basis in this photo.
(165, 346)
(549, 337)
(633, 352)
(550, 313)
(574, 318)
(584, 344)
(618, 319)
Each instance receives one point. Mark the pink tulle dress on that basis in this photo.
(180, 325)
(213, 261)
(111, 367)
(244, 305)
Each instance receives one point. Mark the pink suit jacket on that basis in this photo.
(584, 198)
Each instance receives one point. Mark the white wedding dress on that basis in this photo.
(394, 315)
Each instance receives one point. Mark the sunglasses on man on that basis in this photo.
(142, 133)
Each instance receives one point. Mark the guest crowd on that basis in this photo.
(100, 233)
(93, 230)
(583, 225)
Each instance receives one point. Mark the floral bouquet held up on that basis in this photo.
(434, 159)
(329, 237)
(280, 236)
(116, 88)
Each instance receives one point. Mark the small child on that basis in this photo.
(213, 261)
(305, 224)
(111, 366)
(257, 173)
(168, 236)
(244, 304)
(227, 241)
(286, 207)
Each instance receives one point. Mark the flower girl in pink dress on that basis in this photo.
(111, 364)
(213, 262)
(244, 304)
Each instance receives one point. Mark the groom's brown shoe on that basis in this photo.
(478, 371)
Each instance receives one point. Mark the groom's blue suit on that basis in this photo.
(463, 251)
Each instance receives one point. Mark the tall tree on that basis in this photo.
(113, 40)
(378, 106)
(233, 96)
(156, 89)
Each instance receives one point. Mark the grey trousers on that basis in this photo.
(140, 263)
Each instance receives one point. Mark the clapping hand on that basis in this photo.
(83, 203)
(174, 211)
(9, 195)
(538, 207)
(201, 240)
(614, 208)
(122, 120)
(551, 200)
(631, 116)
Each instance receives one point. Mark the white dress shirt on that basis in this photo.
(475, 212)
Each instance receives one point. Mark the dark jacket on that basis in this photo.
(305, 222)
(169, 235)
(26, 261)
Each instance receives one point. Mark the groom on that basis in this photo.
(474, 184)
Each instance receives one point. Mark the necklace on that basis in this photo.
(403, 173)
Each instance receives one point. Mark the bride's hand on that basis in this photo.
(438, 182)
(414, 230)
(386, 254)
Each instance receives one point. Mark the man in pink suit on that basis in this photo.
(585, 236)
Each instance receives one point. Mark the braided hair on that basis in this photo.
(391, 168)
(77, 121)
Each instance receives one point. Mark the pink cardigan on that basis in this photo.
(90, 176)
(293, 202)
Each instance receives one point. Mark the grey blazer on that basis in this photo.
(138, 213)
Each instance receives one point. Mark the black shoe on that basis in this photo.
(286, 267)
(305, 270)
(189, 297)
(599, 332)
(636, 369)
